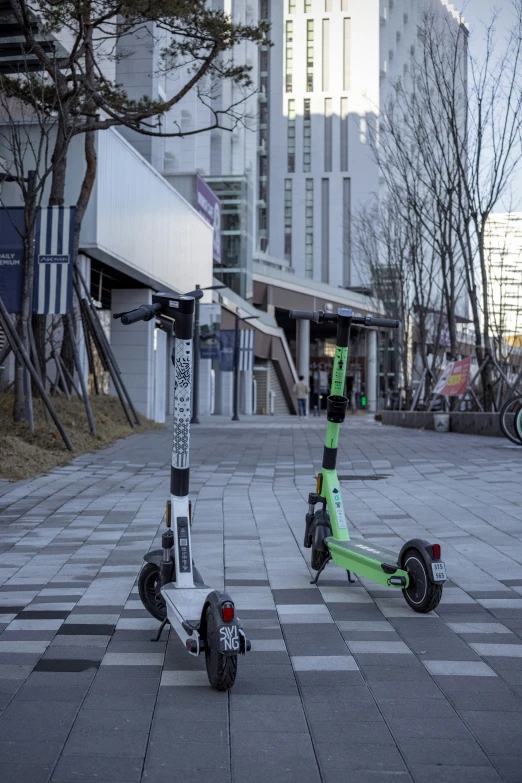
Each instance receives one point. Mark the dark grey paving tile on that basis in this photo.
(358, 756)
(276, 771)
(508, 766)
(106, 743)
(30, 752)
(43, 721)
(105, 769)
(429, 773)
(444, 751)
(56, 693)
(23, 773)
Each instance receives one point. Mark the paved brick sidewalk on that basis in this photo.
(344, 682)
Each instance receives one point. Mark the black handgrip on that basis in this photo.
(385, 323)
(304, 315)
(143, 313)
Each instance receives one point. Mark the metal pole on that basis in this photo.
(195, 369)
(235, 417)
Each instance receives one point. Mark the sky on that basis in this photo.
(475, 13)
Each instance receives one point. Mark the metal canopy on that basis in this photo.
(15, 56)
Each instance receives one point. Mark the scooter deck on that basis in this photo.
(185, 603)
(366, 559)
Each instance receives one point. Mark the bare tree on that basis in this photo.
(449, 141)
(197, 51)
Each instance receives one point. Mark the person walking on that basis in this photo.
(301, 391)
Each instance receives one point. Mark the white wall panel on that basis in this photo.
(135, 216)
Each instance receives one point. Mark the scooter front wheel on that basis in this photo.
(318, 558)
(421, 594)
(149, 591)
(221, 669)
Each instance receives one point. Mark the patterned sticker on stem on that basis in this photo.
(182, 403)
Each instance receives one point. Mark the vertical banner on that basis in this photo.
(209, 207)
(246, 349)
(11, 258)
(226, 340)
(53, 260)
(209, 330)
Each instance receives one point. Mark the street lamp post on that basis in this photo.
(235, 416)
(195, 370)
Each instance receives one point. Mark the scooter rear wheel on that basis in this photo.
(421, 594)
(221, 669)
(148, 588)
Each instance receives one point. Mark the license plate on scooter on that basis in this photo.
(439, 571)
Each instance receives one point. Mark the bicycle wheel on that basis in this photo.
(518, 423)
(511, 419)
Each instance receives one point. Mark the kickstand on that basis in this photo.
(318, 574)
(160, 630)
(349, 573)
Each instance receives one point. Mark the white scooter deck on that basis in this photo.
(184, 604)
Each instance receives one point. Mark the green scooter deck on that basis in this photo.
(366, 559)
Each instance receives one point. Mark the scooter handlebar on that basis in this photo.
(365, 320)
(370, 320)
(143, 313)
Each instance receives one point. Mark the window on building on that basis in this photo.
(326, 55)
(307, 136)
(309, 228)
(307, 6)
(291, 6)
(344, 134)
(328, 6)
(344, 6)
(291, 136)
(347, 224)
(264, 11)
(347, 54)
(289, 56)
(309, 55)
(288, 220)
(325, 229)
(327, 134)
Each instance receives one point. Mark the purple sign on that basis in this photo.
(209, 206)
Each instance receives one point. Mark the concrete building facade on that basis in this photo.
(325, 78)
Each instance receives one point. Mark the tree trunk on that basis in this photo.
(66, 352)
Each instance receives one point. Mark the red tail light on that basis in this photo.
(227, 612)
(435, 550)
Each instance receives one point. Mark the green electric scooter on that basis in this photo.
(417, 569)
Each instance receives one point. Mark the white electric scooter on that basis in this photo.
(170, 587)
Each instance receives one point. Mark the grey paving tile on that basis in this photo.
(359, 756)
(443, 751)
(23, 773)
(427, 773)
(275, 770)
(508, 766)
(29, 752)
(105, 769)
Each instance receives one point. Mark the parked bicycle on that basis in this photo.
(511, 419)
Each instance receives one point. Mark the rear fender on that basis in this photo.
(424, 548)
(231, 636)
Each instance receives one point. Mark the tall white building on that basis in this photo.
(504, 259)
(324, 79)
